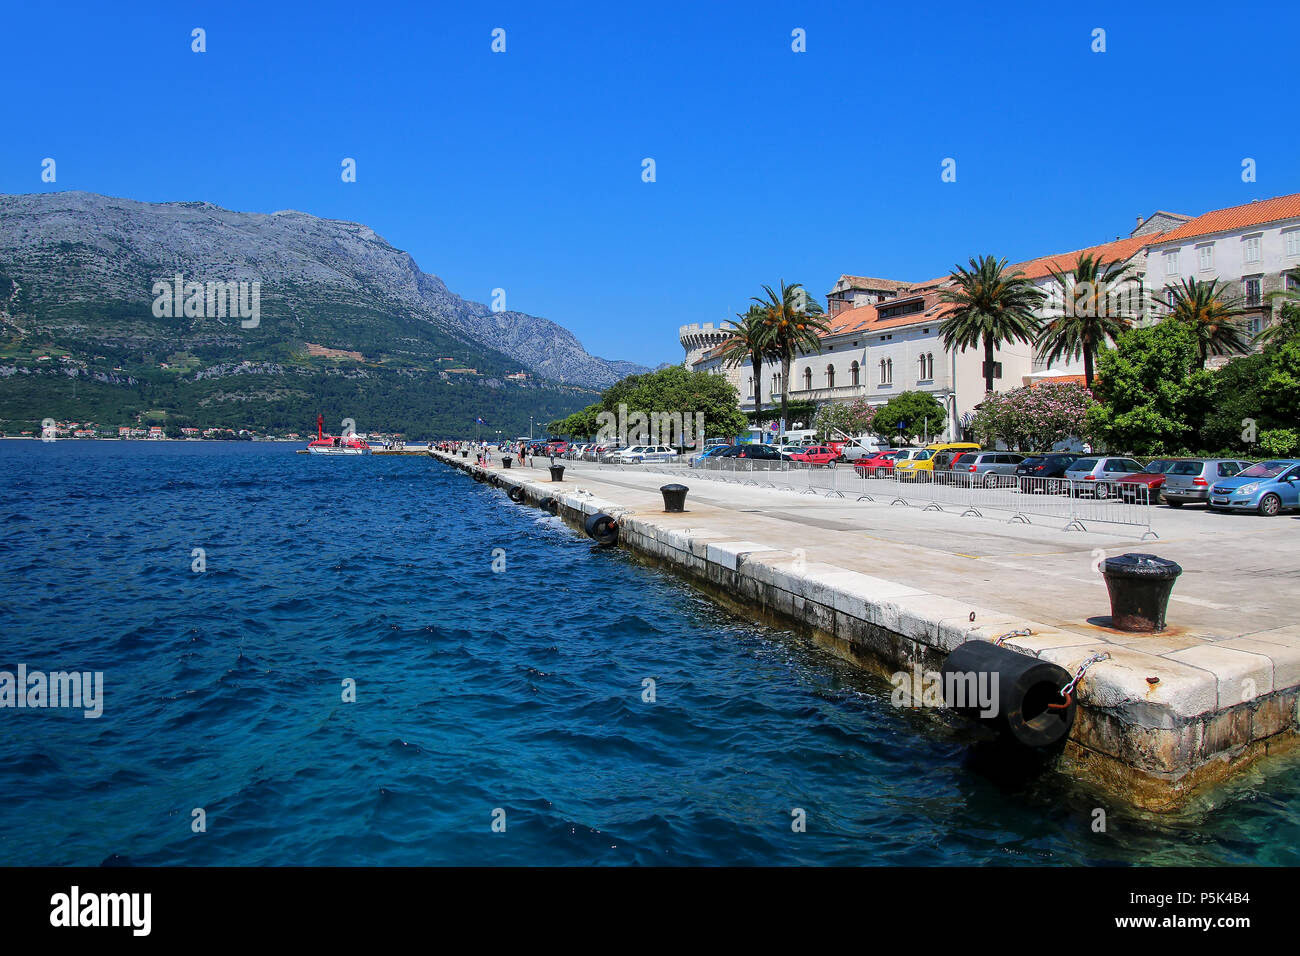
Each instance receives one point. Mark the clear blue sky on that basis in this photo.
(523, 170)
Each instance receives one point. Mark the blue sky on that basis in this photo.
(522, 170)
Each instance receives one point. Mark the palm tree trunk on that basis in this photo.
(758, 389)
(988, 364)
(785, 398)
(1087, 365)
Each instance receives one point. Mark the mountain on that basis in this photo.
(86, 281)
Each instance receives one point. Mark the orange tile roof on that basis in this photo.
(1060, 380)
(866, 282)
(1118, 251)
(1235, 217)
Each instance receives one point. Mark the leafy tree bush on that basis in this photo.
(844, 418)
(919, 413)
(1153, 402)
(1034, 418)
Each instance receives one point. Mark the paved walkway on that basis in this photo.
(1241, 573)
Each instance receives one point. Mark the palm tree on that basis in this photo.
(1288, 322)
(790, 317)
(1087, 321)
(750, 341)
(992, 307)
(1209, 310)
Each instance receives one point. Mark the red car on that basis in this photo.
(1153, 476)
(815, 455)
(557, 448)
(879, 465)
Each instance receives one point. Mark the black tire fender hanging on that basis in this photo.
(516, 494)
(602, 529)
(1016, 695)
(550, 506)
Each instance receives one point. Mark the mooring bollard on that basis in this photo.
(674, 497)
(464, 454)
(1139, 586)
(505, 461)
(557, 472)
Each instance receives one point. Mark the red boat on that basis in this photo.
(335, 444)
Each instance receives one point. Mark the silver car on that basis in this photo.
(1189, 482)
(1099, 476)
(986, 469)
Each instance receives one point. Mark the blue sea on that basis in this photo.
(513, 696)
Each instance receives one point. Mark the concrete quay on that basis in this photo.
(894, 588)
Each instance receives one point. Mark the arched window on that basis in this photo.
(853, 374)
(929, 363)
(807, 379)
(920, 372)
(751, 385)
(830, 376)
(889, 371)
(882, 371)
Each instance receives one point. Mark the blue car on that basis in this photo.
(1267, 487)
(712, 452)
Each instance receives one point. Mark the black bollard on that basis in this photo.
(557, 472)
(674, 497)
(505, 461)
(1139, 586)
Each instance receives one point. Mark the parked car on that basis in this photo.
(879, 465)
(1152, 476)
(987, 469)
(713, 451)
(1050, 465)
(640, 454)
(938, 455)
(1268, 487)
(755, 452)
(816, 455)
(1099, 477)
(1189, 480)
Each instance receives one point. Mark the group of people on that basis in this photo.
(483, 451)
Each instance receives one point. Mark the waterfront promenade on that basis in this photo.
(892, 587)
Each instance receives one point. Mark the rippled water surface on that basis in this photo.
(520, 690)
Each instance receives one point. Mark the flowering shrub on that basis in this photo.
(851, 418)
(1035, 417)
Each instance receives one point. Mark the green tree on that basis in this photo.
(1208, 310)
(750, 341)
(919, 414)
(990, 308)
(1152, 392)
(1088, 320)
(791, 317)
(642, 401)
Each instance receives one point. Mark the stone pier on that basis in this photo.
(896, 588)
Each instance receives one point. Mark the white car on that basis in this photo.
(638, 454)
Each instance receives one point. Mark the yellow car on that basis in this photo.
(921, 468)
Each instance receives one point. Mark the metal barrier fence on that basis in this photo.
(1077, 505)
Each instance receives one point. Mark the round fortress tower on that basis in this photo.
(698, 339)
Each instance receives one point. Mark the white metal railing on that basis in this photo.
(1077, 505)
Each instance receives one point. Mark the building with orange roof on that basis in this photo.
(1254, 249)
(884, 333)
